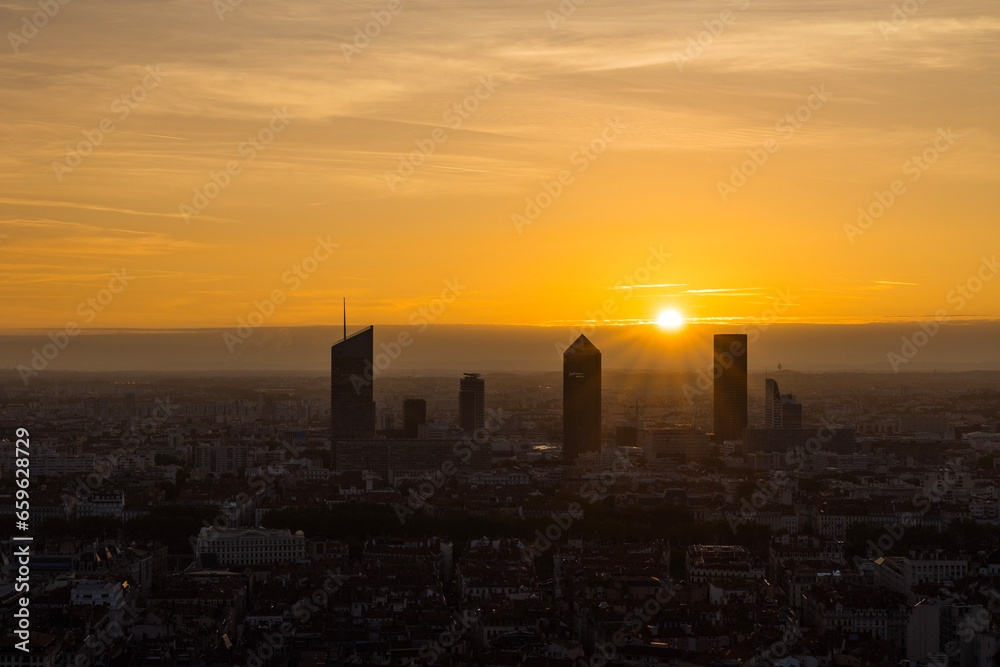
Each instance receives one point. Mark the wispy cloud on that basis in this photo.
(721, 290)
(42, 203)
(648, 286)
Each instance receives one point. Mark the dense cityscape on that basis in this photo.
(493, 333)
(593, 517)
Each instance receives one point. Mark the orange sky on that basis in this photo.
(685, 120)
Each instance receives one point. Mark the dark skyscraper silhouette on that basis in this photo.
(414, 414)
(352, 404)
(626, 436)
(791, 412)
(581, 399)
(730, 395)
(472, 402)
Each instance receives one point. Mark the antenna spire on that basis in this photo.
(345, 318)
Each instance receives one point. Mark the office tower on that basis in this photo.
(385, 421)
(772, 404)
(352, 404)
(472, 402)
(730, 395)
(626, 436)
(414, 415)
(780, 410)
(581, 399)
(791, 412)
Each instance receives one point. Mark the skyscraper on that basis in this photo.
(414, 414)
(581, 399)
(352, 404)
(791, 412)
(472, 402)
(780, 410)
(772, 404)
(730, 394)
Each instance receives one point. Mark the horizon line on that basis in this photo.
(556, 324)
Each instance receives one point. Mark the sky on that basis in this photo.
(528, 163)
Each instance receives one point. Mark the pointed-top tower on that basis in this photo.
(352, 395)
(581, 399)
(582, 345)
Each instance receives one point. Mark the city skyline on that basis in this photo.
(894, 348)
(500, 333)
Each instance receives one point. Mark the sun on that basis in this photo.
(670, 319)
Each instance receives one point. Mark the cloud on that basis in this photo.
(59, 238)
(90, 207)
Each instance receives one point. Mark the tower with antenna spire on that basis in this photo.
(352, 385)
